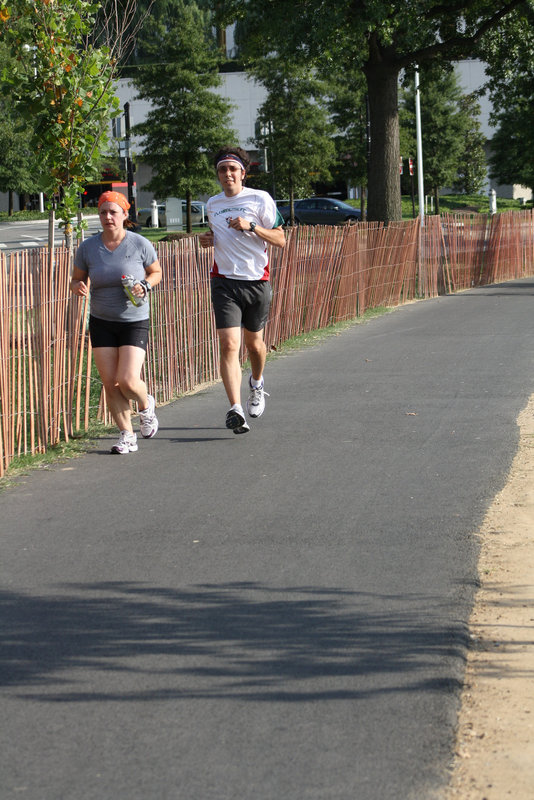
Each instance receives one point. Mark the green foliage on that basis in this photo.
(17, 162)
(187, 121)
(160, 11)
(293, 126)
(472, 167)
(453, 153)
(509, 53)
(62, 86)
(347, 106)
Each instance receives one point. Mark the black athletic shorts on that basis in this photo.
(240, 303)
(105, 333)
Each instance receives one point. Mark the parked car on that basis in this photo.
(198, 214)
(321, 211)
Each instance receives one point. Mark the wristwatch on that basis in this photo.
(252, 226)
(146, 286)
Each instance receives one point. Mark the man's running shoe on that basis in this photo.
(149, 421)
(256, 400)
(127, 443)
(244, 428)
(235, 418)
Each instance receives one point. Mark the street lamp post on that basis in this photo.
(33, 48)
(420, 181)
(129, 164)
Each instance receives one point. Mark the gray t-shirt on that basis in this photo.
(105, 269)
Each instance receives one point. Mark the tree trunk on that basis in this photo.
(383, 199)
(291, 202)
(69, 238)
(436, 198)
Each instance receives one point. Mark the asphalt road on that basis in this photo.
(34, 233)
(275, 616)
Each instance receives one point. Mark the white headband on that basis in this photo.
(230, 157)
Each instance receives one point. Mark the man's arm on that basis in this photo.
(274, 236)
(206, 239)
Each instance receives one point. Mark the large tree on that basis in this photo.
(381, 37)
(509, 53)
(17, 159)
(472, 166)
(294, 128)
(347, 103)
(64, 55)
(453, 152)
(187, 121)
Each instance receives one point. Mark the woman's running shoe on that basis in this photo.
(127, 443)
(149, 421)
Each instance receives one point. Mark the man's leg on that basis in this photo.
(229, 344)
(257, 352)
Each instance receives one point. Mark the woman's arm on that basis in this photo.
(153, 272)
(78, 282)
(152, 277)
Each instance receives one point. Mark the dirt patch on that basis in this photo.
(495, 744)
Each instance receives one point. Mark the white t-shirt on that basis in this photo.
(241, 254)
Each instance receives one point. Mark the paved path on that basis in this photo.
(276, 616)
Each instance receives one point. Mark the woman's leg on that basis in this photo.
(107, 362)
(120, 371)
(130, 364)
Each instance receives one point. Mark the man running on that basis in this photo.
(242, 223)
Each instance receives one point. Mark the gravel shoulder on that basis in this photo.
(494, 756)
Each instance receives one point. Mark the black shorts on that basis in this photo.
(105, 333)
(241, 303)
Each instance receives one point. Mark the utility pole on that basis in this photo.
(420, 181)
(129, 164)
(367, 154)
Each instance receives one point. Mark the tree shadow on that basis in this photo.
(248, 641)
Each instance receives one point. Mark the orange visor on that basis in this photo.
(114, 197)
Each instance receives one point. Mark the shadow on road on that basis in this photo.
(246, 641)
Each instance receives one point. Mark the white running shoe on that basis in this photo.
(127, 443)
(149, 421)
(235, 418)
(256, 400)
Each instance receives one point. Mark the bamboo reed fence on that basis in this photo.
(48, 386)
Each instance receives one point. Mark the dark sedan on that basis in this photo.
(321, 211)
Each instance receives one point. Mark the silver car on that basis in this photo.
(198, 214)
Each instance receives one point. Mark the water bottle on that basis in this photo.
(128, 282)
